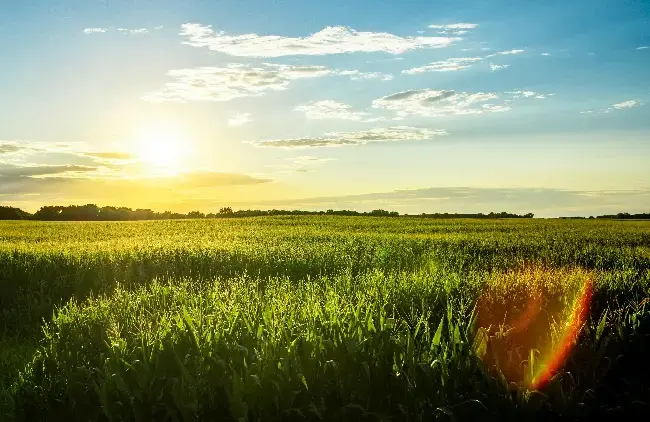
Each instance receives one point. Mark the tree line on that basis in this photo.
(92, 212)
(627, 216)
(479, 215)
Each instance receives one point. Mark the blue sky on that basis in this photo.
(467, 106)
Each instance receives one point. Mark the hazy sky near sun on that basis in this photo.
(414, 106)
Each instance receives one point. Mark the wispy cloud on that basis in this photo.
(452, 64)
(94, 30)
(6, 148)
(510, 52)
(79, 158)
(239, 119)
(645, 47)
(28, 167)
(302, 164)
(454, 29)
(459, 63)
(495, 67)
(546, 202)
(338, 139)
(328, 109)
(618, 106)
(513, 52)
(236, 80)
(111, 155)
(146, 189)
(330, 40)
(111, 158)
(455, 26)
(546, 54)
(437, 103)
(134, 30)
(9, 172)
(23, 148)
(356, 75)
(627, 104)
(526, 94)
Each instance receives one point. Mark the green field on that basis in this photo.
(324, 318)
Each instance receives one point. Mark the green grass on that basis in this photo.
(319, 318)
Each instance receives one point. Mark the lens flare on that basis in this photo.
(571, 331)
(517, 328)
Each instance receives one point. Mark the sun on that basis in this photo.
(161, 148)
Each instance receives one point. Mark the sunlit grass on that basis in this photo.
(319, 318)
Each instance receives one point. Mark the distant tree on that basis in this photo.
(383, 213)
(143, 214)
(48, 213)
(11, 213)
(627, 216)
(92, 212)
(196, 214)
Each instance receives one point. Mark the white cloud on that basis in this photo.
(338, 139)
(49, 169)
(159, 27)
(452, 64)
(645, 47)
(356, 75)
(94, 30)
(235, 80)
(546, 54)
(458, 63)
(510, 52)
(454, 29)
(328, 109)
(439, 103)
(493, 108)
(10, 148)
(627, 104)
(495, 67)
(21, 160)
(19, 150)
(618, 106)
(506, 53)
(433, 103)
(330, 40)
(239, 119)
(522, 94)
(455, 26)
(133, 31)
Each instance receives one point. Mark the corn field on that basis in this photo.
(324, 318)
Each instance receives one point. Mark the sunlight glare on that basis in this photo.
(162, 148)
